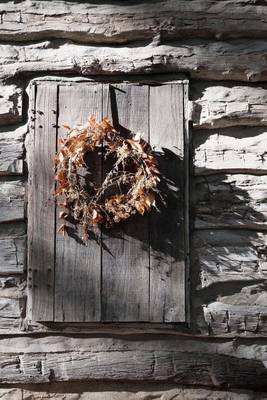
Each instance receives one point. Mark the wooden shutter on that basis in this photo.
(137, 272)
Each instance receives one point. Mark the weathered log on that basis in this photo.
(229, 256)
(9, 308)
(219, 106)
(235, 150)
(236, 60)
(235, 319)
(12, 194)
(215, 370)
(129, 391)
(12, 287)
(115, 23)
(12, 255)
(10, 105)
(60, 359)
(11, 326)
(236, 201)
(11, 153)
(12, 249)
(11, 394)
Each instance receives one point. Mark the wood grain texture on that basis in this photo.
(167, 228)
(229, 256)
(9, 308)
(11, 151)
(223, 105)
(124, 284)
(12, 248)
(115, 23)
(224, 319)
(188, 367)
(239, 60)
(78, 264)
(125, 260)
(12, 194)
(12, 255)
(130, 391)
(236, 201)
(40, 359)
(239, 149)
(41, 208)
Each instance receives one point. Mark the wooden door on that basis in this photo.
(136, 271)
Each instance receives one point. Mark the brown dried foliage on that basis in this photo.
(129, 187)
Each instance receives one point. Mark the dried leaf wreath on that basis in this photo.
(134, 176)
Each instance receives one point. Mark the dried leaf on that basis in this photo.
(66, 126)
(63, 215)
(62, 229)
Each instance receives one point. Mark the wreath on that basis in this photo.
(129, 187)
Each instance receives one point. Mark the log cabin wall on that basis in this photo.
(221, 48)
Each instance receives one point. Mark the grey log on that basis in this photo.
(116, 23)
(234, 60)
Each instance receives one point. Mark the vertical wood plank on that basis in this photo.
(41, 207)
(167, 265)
(125, 259)
(78, 266)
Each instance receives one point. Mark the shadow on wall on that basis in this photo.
(228, 247)
(160, 230)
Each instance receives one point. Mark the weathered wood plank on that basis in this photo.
(11, 151)
(78, 264)
(10, 104)
(219, 106)
(41, 208)
(236, 201)
(115, 23)
(12, 193)
(167, 235)
(125, 259)
(240, 149)
(229, 256)
(234, 60)
(215, 370)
